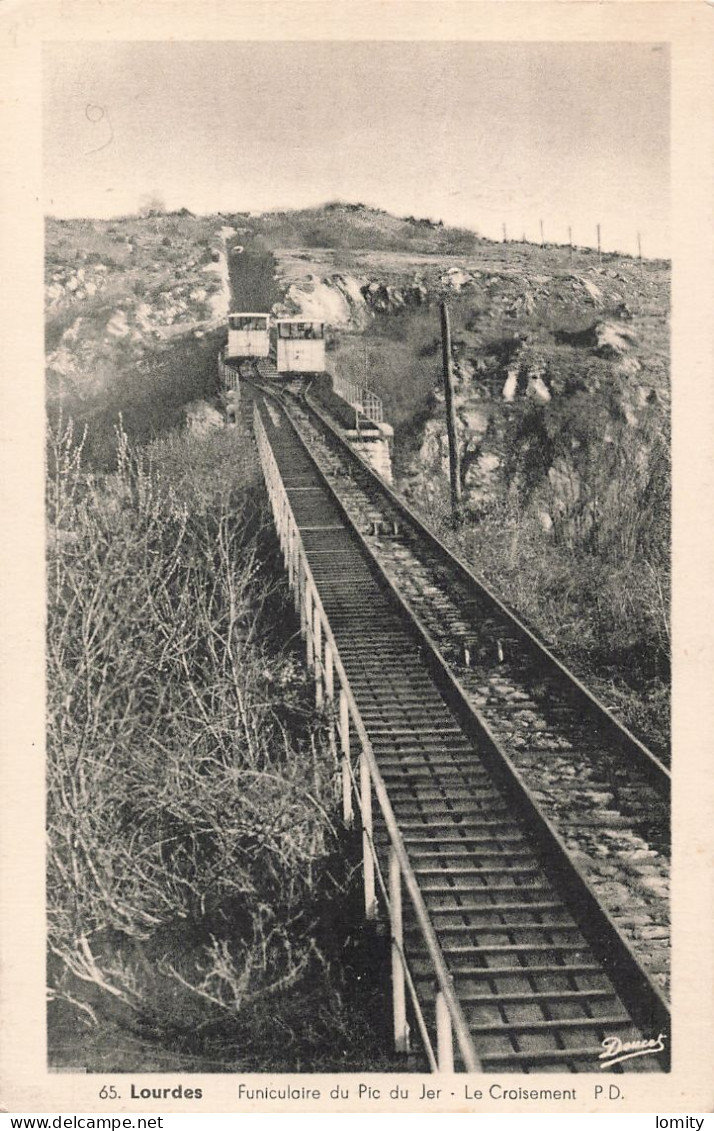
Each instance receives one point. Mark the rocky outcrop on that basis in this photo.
(202, 418)
(386, 298)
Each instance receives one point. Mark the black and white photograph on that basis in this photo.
(357, 634)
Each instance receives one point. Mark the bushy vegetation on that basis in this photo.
(149, 387)
(597, 590)
(342, 225)
(197, 887)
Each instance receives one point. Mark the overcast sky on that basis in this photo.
(472, 133)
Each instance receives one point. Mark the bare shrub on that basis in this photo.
(190, 790)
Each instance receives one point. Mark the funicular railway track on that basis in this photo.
(502, 941)
(605, 792)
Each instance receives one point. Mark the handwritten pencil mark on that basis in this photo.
(96, 114)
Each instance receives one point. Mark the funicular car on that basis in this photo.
(248, 335)
(298, 345)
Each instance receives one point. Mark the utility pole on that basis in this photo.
(570, 238)
(454, 460)
(639, 249)
(599, 252)
(542, 237)
(505, 238)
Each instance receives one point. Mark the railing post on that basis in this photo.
(370, 901)
(399, 999)
(444, 1035)
(297, 577)
(302, 586)
(317, 632)
(279, 514)
(310, 642)
(292, 552)
(329, 673)
(286, 532)
(347, 811)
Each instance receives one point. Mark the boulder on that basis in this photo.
(537, 390)
(473, 420)
(456, 278)
(594, 292)
(202, 418)
(117, 326)
(511, 386)
(611, 340)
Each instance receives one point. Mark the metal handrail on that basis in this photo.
(227, 375)
(372, 406)
(360, 397)
(323, 657)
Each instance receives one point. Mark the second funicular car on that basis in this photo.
(248, 335)
(298, 346)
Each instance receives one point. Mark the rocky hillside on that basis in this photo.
(562, 369)
(563, 416)
(551, 347)
(135, 311)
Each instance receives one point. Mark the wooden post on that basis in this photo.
(310, 642)
(570, 240)
(292, 553)
(302, 586)
(454, 459)
(542, 237)
(317, 631)
(284, 528)
(399, 997)
(347, 812)
(444, 1035)
(329, 695)
(297, 574)
(370, 900)
(329, 673)
(505, 237)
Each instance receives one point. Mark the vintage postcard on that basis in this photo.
(356, 658)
